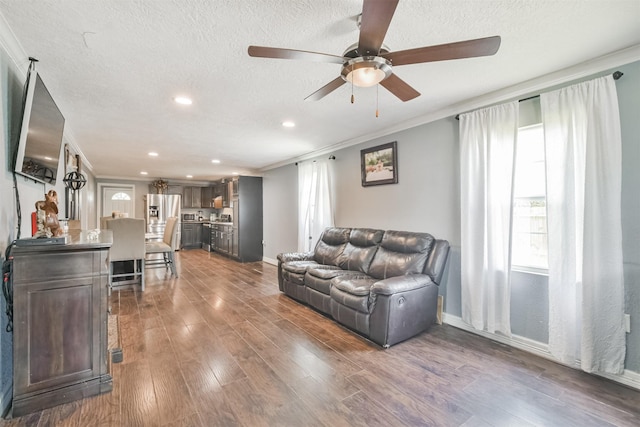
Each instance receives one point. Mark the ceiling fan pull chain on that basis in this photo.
(352, 98)
(377, 91)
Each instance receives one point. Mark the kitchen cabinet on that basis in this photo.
(233, 187)
(191, 197)
(247, 217)
(60, 322)
(207, 196)
(224, 190)
(221, 238)
(243, 238)
(191, 235)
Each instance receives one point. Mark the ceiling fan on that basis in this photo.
(369, 62)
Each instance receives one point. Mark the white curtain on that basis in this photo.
(586, 289)
(315, 212)
(487, 152)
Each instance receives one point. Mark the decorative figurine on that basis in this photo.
(47, 216)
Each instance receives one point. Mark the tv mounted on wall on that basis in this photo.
(38, 151)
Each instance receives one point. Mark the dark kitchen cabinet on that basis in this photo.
(207, 197)
(224, 190)
(247, 218)
(221, 238)
(191, 197)
(60, 323)
(191, 235)
(243, 238)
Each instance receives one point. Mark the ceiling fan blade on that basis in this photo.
(376, 17)
(279, 53)
(467, 49)
(326, 89)
(399, 88)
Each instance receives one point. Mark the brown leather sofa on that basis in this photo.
(381, 284)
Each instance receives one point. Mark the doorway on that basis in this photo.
(116, 198)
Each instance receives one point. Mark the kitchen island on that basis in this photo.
(60, 326)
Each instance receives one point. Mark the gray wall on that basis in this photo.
(628, 88)
(427, 199)
(280, 211)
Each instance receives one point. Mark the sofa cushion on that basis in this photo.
(319, 277)
(299, 267)
(352, 292)
(354, 285)
(400, 253)
(362, 246)
(331, 244)
(293, 271)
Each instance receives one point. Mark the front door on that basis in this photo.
(118, 199)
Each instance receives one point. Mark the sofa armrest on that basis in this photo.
(295, 256)
(397, 284)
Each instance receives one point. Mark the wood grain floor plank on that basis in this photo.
(262, 377)
(369, 411)
(138, 399)
(171, 391)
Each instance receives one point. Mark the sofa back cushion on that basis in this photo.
(362, 246)
(331, 245)
(401, 252)
(437, 260)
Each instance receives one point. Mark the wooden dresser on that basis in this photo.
(60, 322)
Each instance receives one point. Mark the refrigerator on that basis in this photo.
(158, 208)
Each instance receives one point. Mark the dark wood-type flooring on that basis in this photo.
(221, 345)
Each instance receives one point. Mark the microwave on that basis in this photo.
(189, 217)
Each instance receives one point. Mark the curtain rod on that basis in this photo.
(616, 76)
(331, 157)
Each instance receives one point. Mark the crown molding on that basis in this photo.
(524, 89)
(12, 46)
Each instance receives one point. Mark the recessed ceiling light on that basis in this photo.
(183, 100)
(288, 124)
(215, 161)
(153, 154)
(143, 173)
(189, 176)
(234, 173)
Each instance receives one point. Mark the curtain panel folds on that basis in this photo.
(487, 153)
(583, 147)
(315, 210)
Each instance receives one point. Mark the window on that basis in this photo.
(529, 249)
(120, 196)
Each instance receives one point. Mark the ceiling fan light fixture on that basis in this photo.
(366, 71)
(366, 77)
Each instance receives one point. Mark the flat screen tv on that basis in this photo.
(38, 151)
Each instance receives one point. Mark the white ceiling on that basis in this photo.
(114, 67)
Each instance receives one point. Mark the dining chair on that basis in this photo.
(166, 248)
(128, 245)
(103, 221)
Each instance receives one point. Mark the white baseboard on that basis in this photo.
(270, 260)
(627, 378)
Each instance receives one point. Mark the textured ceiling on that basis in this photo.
(114, 67)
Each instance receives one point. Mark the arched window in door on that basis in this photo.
(121, 202)
(120, 196)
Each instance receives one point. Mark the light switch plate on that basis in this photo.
(627, 323)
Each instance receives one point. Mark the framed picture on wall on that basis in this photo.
(379, 165)
(71, 161)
